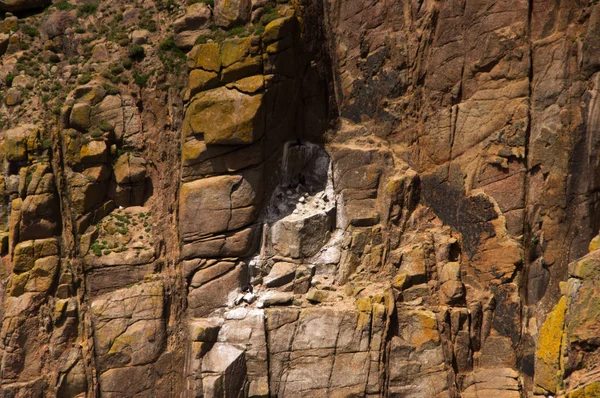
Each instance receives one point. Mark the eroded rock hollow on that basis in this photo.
(305, 198)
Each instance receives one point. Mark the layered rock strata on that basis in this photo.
(305, 198)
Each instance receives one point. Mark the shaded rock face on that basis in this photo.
(310, 198)
(22, 5)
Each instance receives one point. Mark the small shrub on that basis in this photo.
(30, 30)
(46, 143)
(110, 89)
(141, 79)
(148, 24)
(64, 5)
(270, 15)
(79, 30)
(97, 248)
(8, 80)
(202, 39)
(237, 31)
(116, 69)
(535, 241)
(87, 9)
(127, 64)
(167, 5)
(171, 56)
(136, 52)
(168, 45)
(85, 78)
(259, 30)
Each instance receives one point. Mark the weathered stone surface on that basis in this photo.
(201, 80)
(225, 117)
(280, 274)
(276, 298)
(26, 253)
(302, 236)
(130, 174)
(16, 142)
(497, 382)
(93, 153)
(219, 204)
(201, 160)
(365, 198)
(417, 356)
(189, 27)
(229, 13)
(80, 116)
(14, 96)
(128, 326)
(237, 244)
(217, 293)
(206, 330)
(205, 56)
(129, 169)
(330, 346)
(547, 364)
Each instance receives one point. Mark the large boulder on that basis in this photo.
(218, 204)
(193, 24)
(229, 13)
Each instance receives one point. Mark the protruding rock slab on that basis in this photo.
(225, 117)
(224, 371)
(302, 236)
(218, 204)
(218, 292)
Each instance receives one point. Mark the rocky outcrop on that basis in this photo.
(307, 198)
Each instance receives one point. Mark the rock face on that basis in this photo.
(22, 5)
(341, 198)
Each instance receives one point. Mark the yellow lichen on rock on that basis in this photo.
(547, 364)
(590, 391)
(594, 243)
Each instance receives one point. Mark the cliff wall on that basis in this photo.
(317, 198)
